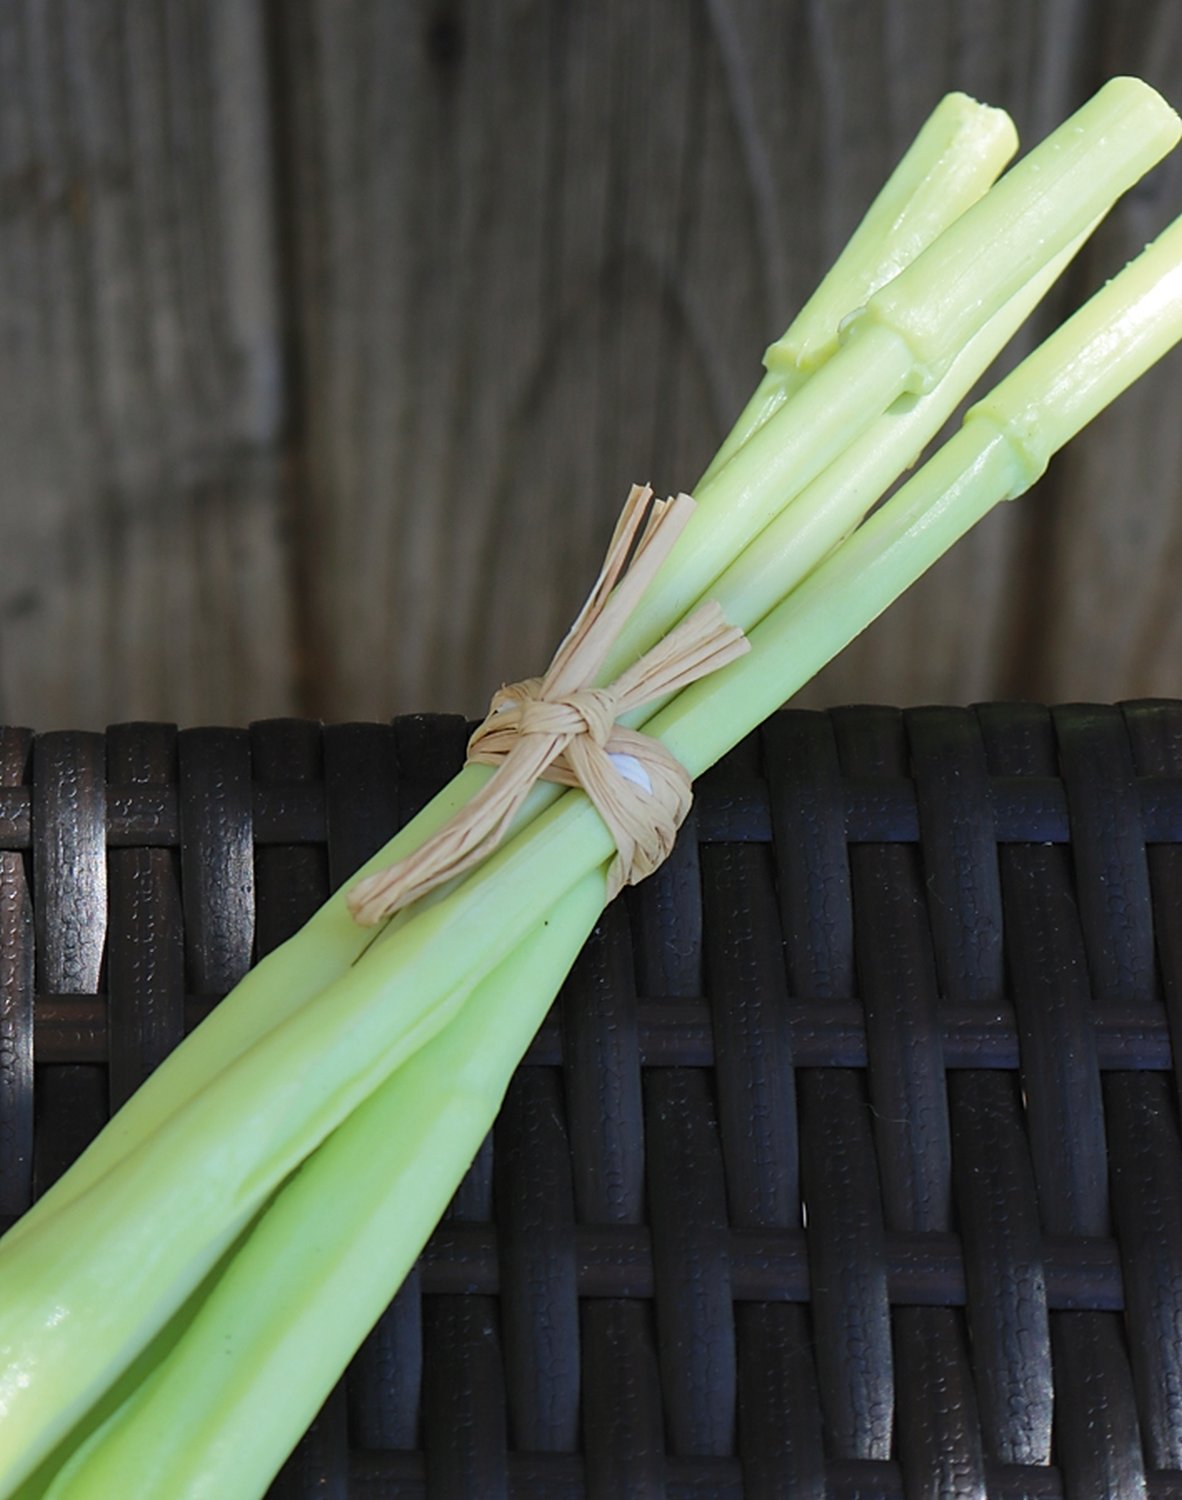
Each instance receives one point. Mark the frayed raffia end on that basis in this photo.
(561, 728)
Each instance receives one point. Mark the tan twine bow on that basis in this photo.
(562, 728)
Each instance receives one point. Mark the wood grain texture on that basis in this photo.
(141, 384)
(335, 331)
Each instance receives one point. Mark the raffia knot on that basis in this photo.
(520, 708)
(562, 728)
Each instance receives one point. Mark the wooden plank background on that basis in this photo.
(334, 330)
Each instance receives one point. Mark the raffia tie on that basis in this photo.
(562, 728)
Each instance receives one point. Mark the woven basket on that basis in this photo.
(848, 1163)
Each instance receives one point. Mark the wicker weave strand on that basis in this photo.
(562, 728)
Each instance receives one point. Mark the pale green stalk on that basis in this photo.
(1130, 128)
(955, 157)
(287, 1312)
(953, 160)
(104, 1272)
(1004, 445)
(910, 331)
(209, 1166)
(837, 501)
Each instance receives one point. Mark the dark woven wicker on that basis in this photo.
(847, 1164)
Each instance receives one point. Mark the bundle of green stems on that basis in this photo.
(176, 1308)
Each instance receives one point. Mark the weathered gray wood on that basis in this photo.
(489, 204)
(482, 265)
(141, 384)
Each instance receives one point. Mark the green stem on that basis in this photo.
(835, 503)
(911, 331)
(1005, 444)
(211, 1164)
(269, 1339)
(830, 508)
(1134, 127)
(957, 154)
